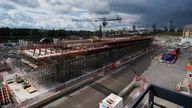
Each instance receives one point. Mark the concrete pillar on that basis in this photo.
(190, 31)
(97, 60)
(39, 52)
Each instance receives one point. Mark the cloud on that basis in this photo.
(5, 6)
(54, 2)
(58, 13)
(159, 11)
(26, 3)
(97, 6)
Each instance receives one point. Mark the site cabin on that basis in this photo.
(112, 101)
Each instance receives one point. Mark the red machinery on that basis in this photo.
(5, 95)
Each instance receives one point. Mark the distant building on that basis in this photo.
(100, 31)
(170, 25)
(187, 31)
(187, 35)
(134, 28)
(154, 27)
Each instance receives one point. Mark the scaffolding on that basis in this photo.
(64, 60)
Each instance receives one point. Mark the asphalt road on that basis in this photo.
(160, 74)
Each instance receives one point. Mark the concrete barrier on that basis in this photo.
(126, 89)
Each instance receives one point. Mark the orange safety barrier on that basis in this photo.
(140, 77)
(189, 67)
(177, 89)
(113, 66)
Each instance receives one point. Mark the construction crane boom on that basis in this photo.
(103, 20)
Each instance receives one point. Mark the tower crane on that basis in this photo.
(104, 20)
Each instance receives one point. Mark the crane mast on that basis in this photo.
(103, 20)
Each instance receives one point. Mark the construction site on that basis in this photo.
(34, 69)
(55, 74)
(97, 72)
(95, 54)
(116, 71)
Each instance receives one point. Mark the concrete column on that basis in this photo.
(97, 60)
(184, 33)
(188, 33)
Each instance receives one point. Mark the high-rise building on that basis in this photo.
(154, 26)
(134, 27)
(170, 25)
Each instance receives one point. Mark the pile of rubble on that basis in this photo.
(168, 41)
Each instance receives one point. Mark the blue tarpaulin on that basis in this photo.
(168, 57)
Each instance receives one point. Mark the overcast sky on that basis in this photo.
(51, 14)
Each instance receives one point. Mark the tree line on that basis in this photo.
(36, 34)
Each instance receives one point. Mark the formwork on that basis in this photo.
(75, 58)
